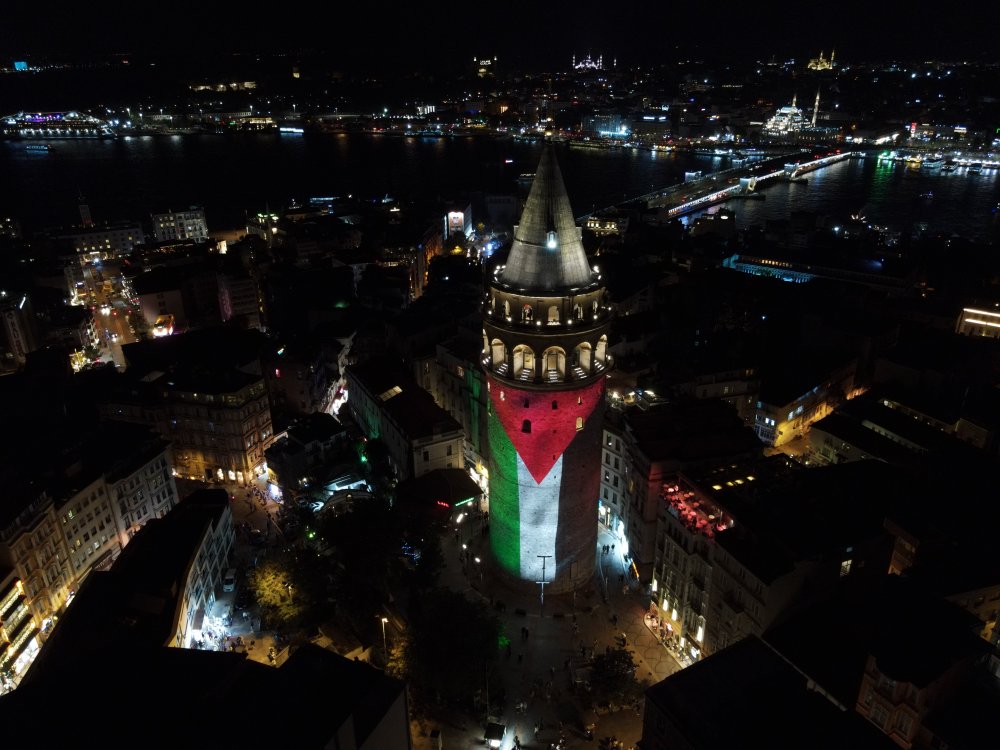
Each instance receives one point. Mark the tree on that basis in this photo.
(451, 646)
(428, 568)
(612, 677)
(366, 542)
(291, 589)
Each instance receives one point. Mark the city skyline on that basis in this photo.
(441, 36)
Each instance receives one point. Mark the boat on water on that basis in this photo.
(975, 168)
(948, 168)
(927, 196)
(933, 162)
(38, 148)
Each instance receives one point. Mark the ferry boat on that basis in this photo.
(42, 148)
(975, 168)
(933, 162)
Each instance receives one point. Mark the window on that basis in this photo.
(449, 450)
(579, 424)
(845, 568)
(526, 425)
(903, 723)
(879, 715)
(555, 404)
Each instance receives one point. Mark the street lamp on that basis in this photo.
(385, 647)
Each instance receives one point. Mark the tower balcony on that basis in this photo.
(526, 322)
(521, 374)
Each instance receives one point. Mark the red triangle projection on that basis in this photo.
(551, 430)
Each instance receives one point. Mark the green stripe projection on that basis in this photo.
(505, 525)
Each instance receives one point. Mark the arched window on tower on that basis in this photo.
(526, 425)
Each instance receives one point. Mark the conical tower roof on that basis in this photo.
(547, 254)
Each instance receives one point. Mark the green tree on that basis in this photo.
(291, 589)
(612, 678)
(451, 647)
(273, 585)
(365, 546)
(428, 569)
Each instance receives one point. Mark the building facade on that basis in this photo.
(180, 225)
(545, 339)
(389, 406)
(104, 242)
(219, 427)
(19, 631)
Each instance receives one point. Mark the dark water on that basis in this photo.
(887, 194)
(229, 175)
(130, 177)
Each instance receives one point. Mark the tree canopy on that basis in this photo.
(450, 647)
(612, 677)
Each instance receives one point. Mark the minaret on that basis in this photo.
(795, 98)
(815, 108)
(833, 54)
(545, 355)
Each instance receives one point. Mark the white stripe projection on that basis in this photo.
(539, 519)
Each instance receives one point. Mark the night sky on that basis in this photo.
(437, 35)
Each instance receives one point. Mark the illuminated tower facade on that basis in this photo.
(545, 356)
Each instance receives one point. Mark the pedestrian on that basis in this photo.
(612, 548)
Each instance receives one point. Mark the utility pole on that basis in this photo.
(541, 607)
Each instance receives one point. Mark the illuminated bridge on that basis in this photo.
(721, 186)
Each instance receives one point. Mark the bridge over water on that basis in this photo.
(720, 186)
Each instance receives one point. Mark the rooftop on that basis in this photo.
(131, 607)
(547, 254)
(691, 431)
(405, 402)
(749, 696)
